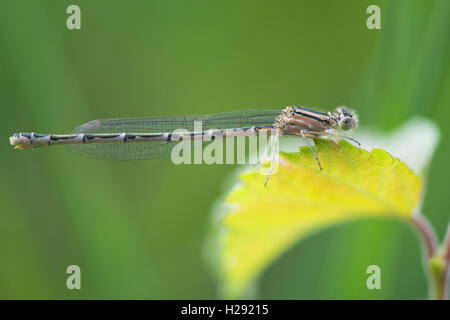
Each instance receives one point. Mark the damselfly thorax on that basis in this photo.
(294, 120)
(307, 123)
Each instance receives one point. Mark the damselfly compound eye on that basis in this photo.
(347, 123)
(346, 118)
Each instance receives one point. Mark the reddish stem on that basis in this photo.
(427, 233)
(447, 262)
(447, 246)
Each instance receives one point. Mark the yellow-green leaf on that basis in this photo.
(262, 222)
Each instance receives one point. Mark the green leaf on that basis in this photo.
(262, 222)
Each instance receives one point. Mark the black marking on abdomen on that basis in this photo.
(111, 136)
(26, 135)
(52, 138)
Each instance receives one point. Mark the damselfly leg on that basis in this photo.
(358, 144)
(303, 133)
(331, 132)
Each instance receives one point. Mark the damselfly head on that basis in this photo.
(346, 118)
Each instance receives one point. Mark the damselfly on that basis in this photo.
(154, 137)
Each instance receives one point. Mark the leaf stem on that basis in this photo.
(437, 263)
(427, 233)
(437, 272)
(447, 262)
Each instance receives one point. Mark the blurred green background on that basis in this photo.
(138, 229)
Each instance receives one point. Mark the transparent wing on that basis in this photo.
(158, 149)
